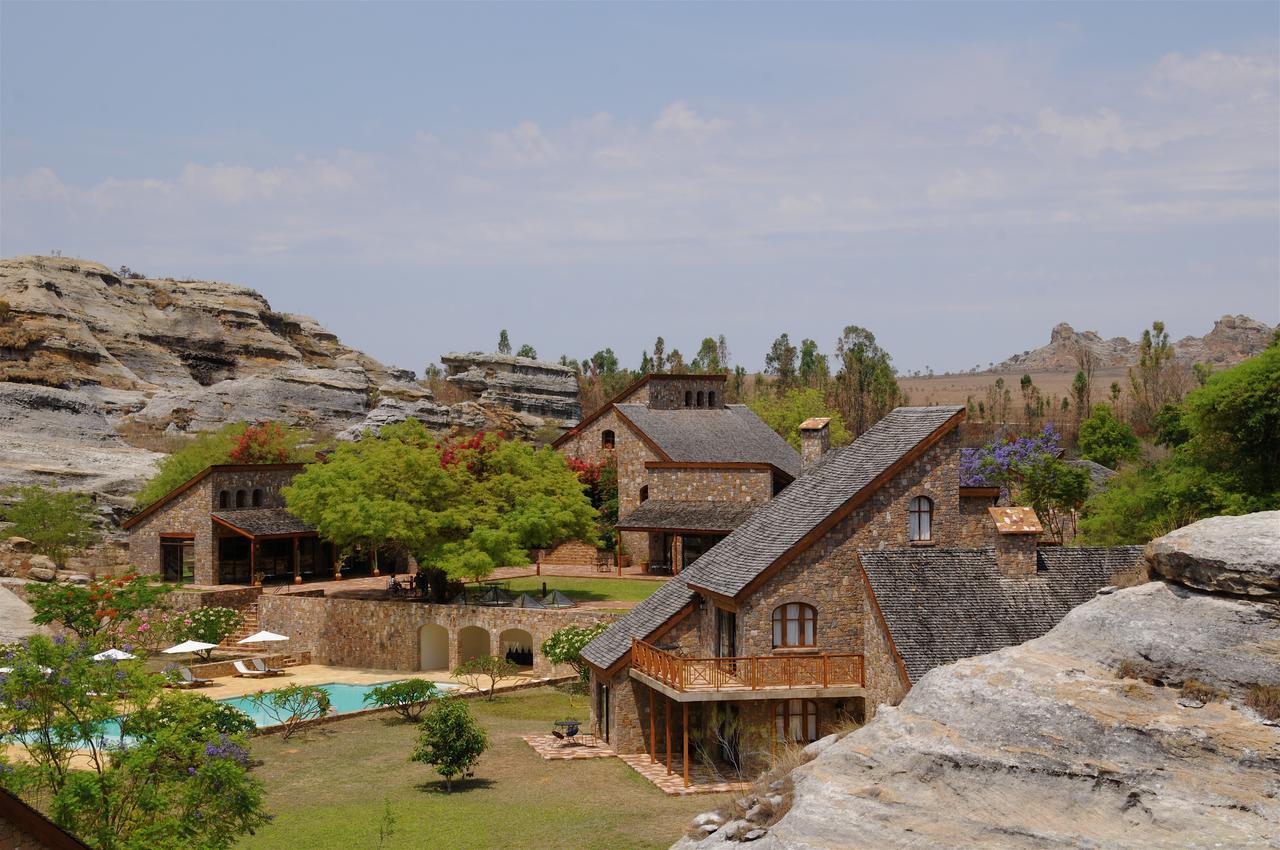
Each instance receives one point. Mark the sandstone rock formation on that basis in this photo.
(1081, 738)
(1226, 554)
(547, 390)
(95, 369)
(1233, 338)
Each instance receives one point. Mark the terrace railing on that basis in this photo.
(748, 672)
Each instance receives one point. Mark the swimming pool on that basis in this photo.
(343, 699)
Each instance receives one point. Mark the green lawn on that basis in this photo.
(587, 589)
(327, 789)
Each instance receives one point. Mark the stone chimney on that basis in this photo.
(1017, 530)
(815, 439)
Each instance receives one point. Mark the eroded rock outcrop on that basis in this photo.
(1081, 738)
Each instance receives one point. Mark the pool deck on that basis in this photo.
(320, 674)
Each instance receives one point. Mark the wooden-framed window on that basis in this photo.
(920, 518)
(224, 500)
(796, 720)
(257, 498)
(607, 439)
(240, 498)
(795, 624)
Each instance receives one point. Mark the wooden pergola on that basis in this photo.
(258, 525)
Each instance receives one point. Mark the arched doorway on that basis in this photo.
(473, 642)
(433, 640)
(516, 645)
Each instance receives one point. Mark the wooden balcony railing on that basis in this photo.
(751, 672)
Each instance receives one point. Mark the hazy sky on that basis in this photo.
(955, 177)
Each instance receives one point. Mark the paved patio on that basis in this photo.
(553, 749)
(701, 780)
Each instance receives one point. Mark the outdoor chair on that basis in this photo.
(261, 666)
(187, 679)
(242, 670)
(557, 734)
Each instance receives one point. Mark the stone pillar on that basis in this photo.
(815, 440)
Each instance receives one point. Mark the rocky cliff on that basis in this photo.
(1132, 724)
(96, 368)
(1232, 339)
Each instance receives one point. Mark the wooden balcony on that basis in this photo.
(747, 677)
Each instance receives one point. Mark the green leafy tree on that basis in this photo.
(814, 368)
(659, 355)
(483, 673)
(675, 362)
(56, 521)
(528, 351)
(708, 360)
(450, 740)
(1054, 489)
(785, 413)
(780, 362)
(88, 610)
(504, 342)
(409, 698)
(1154, 380)
(212, 625)
(1105, 439)
(565, 646)
(866, 386)
(210, 448)
(292, 706)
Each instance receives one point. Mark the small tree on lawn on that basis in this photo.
(409, 698)
(212, 625)
(57, 522)
(90, 609)
(292, 706)
(450, 740)
(490, 669)
(565, 647)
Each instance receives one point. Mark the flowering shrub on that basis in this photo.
(212, 625)
(90, 609)
(996, 463)
(263, 442)
(148, 630)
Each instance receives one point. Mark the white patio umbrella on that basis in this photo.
(113, 654)
(263, 637)
(43, 669)
(189, 646)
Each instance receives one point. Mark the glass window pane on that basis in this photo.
(777, 632)
(793, 632)
(808, 633)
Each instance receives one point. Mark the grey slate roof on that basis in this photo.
(732, 564)
(945, 604)
(1099, 475)
(263, 521)
(775, 526)
(689, 516)
(733, 434)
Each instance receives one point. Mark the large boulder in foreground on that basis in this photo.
(1226, 554)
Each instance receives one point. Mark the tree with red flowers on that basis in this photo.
(89, 609)
(264, 442)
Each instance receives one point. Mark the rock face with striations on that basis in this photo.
(1048, 745)
(547, 390)
(95, 368)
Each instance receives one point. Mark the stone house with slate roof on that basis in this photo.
(869, 570)
(691, 468)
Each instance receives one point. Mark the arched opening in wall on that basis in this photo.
(257, 498)
(700, 398)
(606, 439)
(516, 645)
(644, 493)
(224, 500)
(711, 399)
(240, 498)
(688, 398)
(473, 642)
(433, 641)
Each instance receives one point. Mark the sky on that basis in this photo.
(957, 177)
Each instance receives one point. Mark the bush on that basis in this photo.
(292, 706)
(1105, 439)
(1197, 690)
(57, 522)
(450, 740)
(212, 625)
(485, 668)
(565, 646)
(1264, 699)
(409, 698)
(96, 607)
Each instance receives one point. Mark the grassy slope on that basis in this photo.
(327, 790)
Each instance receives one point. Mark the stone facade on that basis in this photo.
(1016, 554)
(726, 483)
(410, 636)
(671, 392)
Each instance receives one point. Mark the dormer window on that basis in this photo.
(920, 518)
(224, 500)
(241, 497)
(257, 498)
(606, 439)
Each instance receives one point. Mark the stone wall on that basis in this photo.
(186, 515)
(695, 485)
(387, 634)
(669, 393)
(574, 553)
(975, 528)
(239, 598)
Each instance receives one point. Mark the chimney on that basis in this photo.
(1017, 531)
(815, 439)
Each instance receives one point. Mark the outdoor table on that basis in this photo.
(570, 727)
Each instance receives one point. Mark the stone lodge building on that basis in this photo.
(691, 468)
(869, 570)
(227, 525)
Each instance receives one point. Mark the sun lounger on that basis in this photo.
(186, 679)
(242, 670)
(261, 666)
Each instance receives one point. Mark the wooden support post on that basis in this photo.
(253, 562)
(668, 702)
(337, 567)
(653, 730)
(297, 563)
(685, 731)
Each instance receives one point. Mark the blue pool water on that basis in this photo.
(343, 698)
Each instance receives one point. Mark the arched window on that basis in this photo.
(224, 499)
(257, 498)
(711, 399)
(688, 398)
(700, 398)
(644, 493)
(795, 624)
(920, 516)
(796, 720)
(240, 497)
(606, 439)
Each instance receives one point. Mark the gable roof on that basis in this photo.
(197, 478)
(732, 434)
(263, 522)
(670, 515)
(789, 518)
(941, 605)
(780, 524)
(624, 394)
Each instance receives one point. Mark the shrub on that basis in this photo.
(57, 522)
(1197, 690)
(565, 646)
(292, 706)
(1105, 439)
(409, 698)
(212, 625)
(450, 740)
(1264, 699)
(91, 609)
(485, 668)
(1128, 670)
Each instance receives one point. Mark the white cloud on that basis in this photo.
(1217, 74)
(1085, 135)
(679, 118)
